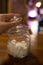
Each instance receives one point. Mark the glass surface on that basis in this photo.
(18, 41)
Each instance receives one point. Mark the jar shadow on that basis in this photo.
(30, 59)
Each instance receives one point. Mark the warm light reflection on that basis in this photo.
(33, 26)
(32, 13)
(38, 4)
(33, 41)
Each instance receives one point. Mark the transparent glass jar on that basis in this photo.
(18, 41)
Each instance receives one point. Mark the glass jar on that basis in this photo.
(18, 41)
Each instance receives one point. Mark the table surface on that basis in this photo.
(35, 57)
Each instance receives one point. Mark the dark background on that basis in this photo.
(3, 6)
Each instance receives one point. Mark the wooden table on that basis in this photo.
(35, 56)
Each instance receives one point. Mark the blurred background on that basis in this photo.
(10, 8)
(14, 6)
